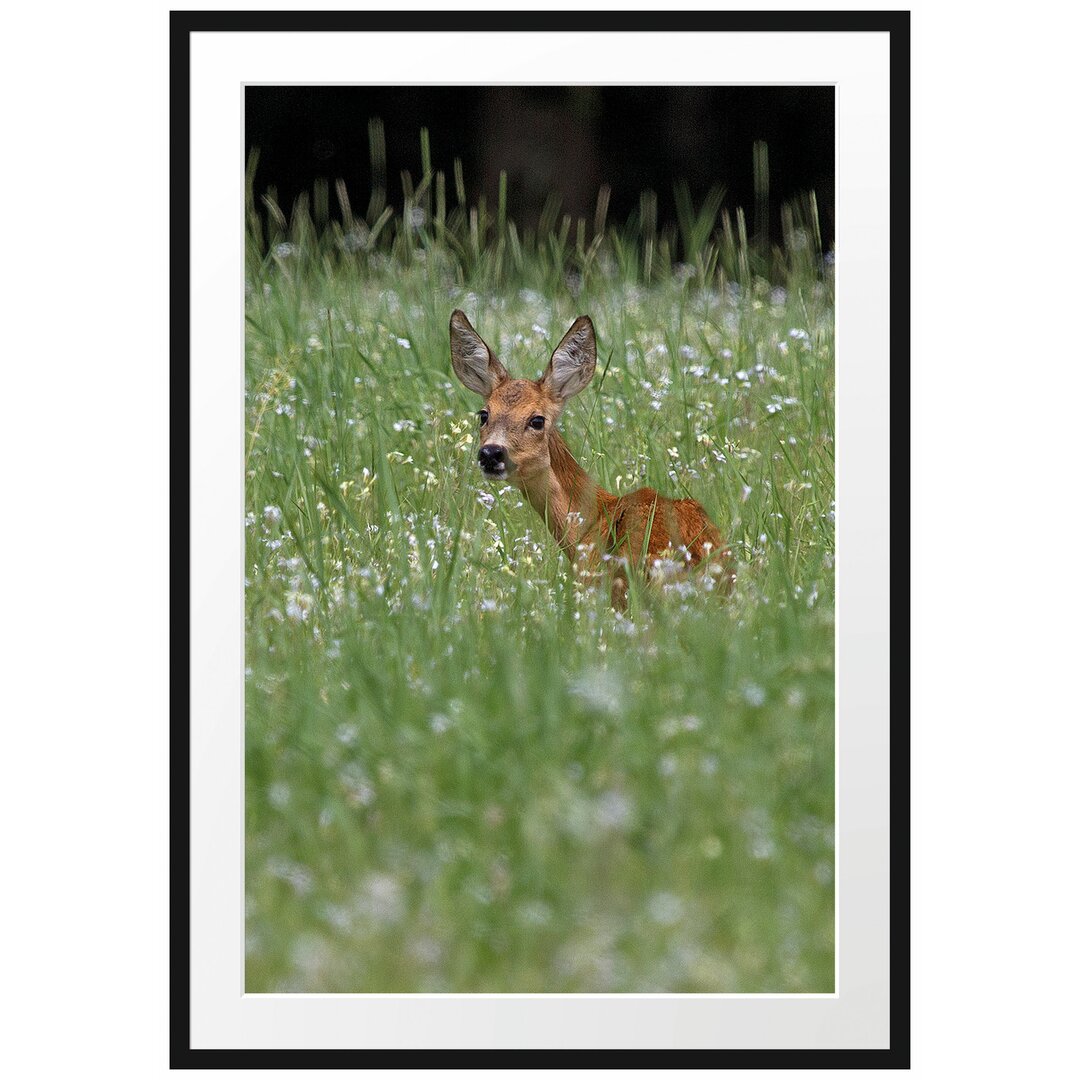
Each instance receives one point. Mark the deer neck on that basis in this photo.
(566, 497)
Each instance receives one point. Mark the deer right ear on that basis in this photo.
(474, 363)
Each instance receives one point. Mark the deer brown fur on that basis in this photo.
(519, 443)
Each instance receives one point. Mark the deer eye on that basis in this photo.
(483, 416)
(537, 423)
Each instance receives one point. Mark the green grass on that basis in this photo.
(465, 773)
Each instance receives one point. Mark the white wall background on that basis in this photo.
(83, 760)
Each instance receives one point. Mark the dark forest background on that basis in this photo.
(568, 140)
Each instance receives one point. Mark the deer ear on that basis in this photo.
(474, 363)
(574, 361)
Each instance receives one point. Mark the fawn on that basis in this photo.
(519, 443)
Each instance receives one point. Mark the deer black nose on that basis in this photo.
(493, 458)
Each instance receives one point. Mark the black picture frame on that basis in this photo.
(894, 23)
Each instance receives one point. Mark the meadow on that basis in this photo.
(465, 772)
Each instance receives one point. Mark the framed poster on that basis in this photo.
(540, 394)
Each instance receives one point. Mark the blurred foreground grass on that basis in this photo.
(464, 774)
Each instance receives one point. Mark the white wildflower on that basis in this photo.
(754, 695)
(665, 908)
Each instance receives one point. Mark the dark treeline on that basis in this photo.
(569, 140)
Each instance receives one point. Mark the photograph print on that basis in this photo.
(540, 539)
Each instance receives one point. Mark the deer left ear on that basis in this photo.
(573, 363)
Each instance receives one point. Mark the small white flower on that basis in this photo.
(381, 898)
(600, 690)
(298, 606)
(665, 908)
(534, 913)
(754, 695)
(613, 810)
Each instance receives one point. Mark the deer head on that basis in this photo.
(519, 415)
